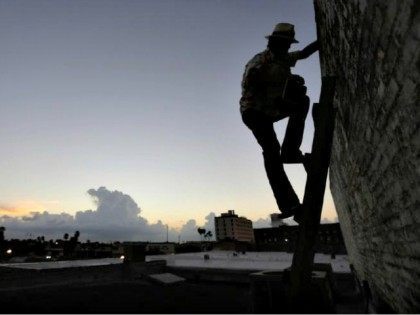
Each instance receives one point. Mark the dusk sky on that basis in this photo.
(141, 97)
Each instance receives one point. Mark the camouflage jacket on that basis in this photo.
(264, 82)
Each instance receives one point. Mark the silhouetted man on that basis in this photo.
(270, 93)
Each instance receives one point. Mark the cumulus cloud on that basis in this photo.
(326, 220)
(189, 230)
(116, 217)
(261, 223)
(266, 222)
(37, 223)
(113, 207)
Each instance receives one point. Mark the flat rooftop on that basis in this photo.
(248, 261)
(64, 264)
(217, 259)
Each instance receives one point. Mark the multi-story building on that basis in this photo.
(166, 248)
(284, 238)
(230, 226)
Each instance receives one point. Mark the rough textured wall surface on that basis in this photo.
(373, 49)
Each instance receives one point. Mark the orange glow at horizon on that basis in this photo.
(25, 207)
(13, 211)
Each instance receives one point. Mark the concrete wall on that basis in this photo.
(373, 49)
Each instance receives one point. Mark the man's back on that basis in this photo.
(264, 81)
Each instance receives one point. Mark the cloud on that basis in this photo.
(266, 222)
(114, 207)
(209, 224)
(116, 217)
(189, 230)
(24, 207)
(261, 223)
(326, 220)
(36, 224)
(5, 208)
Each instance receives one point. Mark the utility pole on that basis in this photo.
(167, 234)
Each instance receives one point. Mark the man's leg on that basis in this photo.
(263, 130)
(295, 127)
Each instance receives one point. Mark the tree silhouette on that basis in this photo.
(2, 229)
(71, 246)
(66, 244)
(76, 236)
(208, 235)
(202, 232)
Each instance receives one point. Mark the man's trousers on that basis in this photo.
(263, 129)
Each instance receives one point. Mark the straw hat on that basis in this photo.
(284, 30)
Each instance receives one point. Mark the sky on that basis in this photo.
(139, 98)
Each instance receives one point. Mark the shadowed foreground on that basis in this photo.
(129, 297)
(131, 288)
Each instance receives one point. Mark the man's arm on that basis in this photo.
(309, 50)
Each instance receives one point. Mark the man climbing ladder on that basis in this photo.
(270, 93)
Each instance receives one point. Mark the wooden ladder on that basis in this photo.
(323, 114)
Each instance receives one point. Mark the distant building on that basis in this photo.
(54, 252)
(275, 221)
(165, 248)
(284, 238)
(230, 226)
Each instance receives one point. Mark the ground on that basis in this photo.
(129, 297)
(108, 286)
